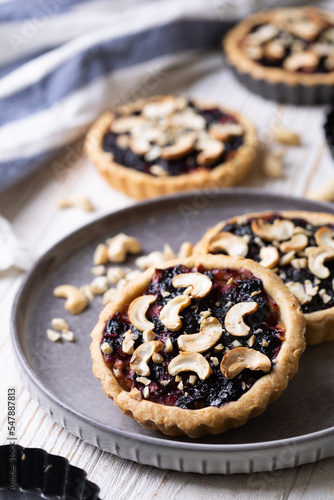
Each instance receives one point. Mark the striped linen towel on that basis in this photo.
(64, 62)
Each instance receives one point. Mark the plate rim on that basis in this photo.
(153, 440)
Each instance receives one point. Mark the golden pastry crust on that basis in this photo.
(209, 420)
(243, 64)
(319, 324)
(141, 185)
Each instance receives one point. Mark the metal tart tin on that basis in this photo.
(284, 93)
(34, 473)
(329, 130)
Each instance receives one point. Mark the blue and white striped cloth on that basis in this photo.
(63, 62)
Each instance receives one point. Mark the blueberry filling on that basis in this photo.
(287, 272)
(185, 165)
(266, 335)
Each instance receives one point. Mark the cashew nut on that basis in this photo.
(234, 319)
(210, 332)
(297, 243)
(279, 230)
(200, 284)
(316, 258)
(300, 60)
(169, 314)
(325, 237)
(211, 150)
(137, 312)
(183, 146)
(156, 258)
(76, 200)
(142, 355)
(230, 243)
(302, 293)
(76, 300)
(120, 245)
(238, 359)
(224, 131)
(126, 124)
(99, 285)
(128, 342)
(269, 256)
(286, 136)
(60, 324)
(100, 254)
(190, 362)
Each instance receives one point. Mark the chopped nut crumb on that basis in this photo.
(99, 285)
(98, 270)
(251, 341)
(180, 386)
(243, 385)
(68, 335)
(218, 348)
(100, 255)
(165, 382)
(236, 343)
(265, 343)
(115, 274)
(215, 361)
(59, 324)
(192, 379)
(168, 345)
(146, 392)
(164, 293)
(52, 335)
(230, 281)
(178, 378)
(144, 380)
(106, 349)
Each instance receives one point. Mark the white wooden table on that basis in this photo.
(31, 209)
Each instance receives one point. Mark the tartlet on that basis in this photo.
(199, 345)
(298, 246)
(166, 144)
(285, 54)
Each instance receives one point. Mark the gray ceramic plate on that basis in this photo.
(296, 429)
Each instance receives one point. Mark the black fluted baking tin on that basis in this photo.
(329, 130)
(284, 93)
(35, 473)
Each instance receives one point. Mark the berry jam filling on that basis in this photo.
(266, 336)
(289, 41)
(186, 165)
(288, 272)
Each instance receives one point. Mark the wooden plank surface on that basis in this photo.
(31, 208)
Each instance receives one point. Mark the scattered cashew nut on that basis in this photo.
(200, 284)
(325, 237)
(234, 319)
(190, 362)
(169, 314)
(142, 355)
(76, 300)
(297, 243)
(209, 334)
(316, 258)
(120, 245)
(75, 200)
(236, 360)
(280, 229)
(137, 312)
(230, 243)
(269, 256)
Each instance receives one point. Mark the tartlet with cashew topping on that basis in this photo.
(298, 246)
(199, 345)
(165, 144)
(285, 54)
